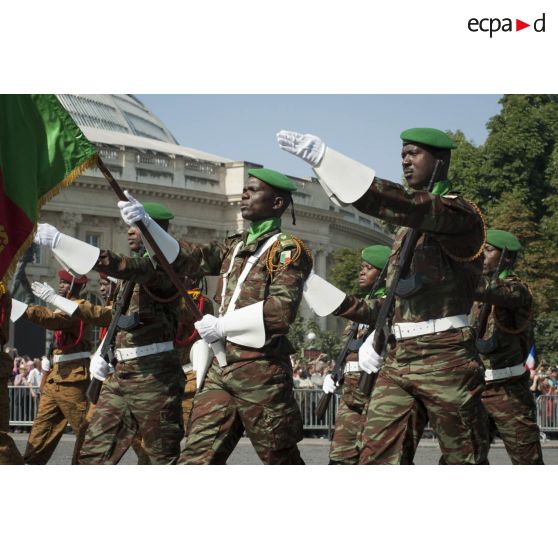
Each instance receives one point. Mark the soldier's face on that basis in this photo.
(418, 165)
(104, 287)
(134, 239)
(63, 288)
(259, 201)
(491, 258)
(368, 274)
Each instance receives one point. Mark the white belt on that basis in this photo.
(501, 373)
(187, 368)
(405, 330)
(352, 366)
(70, 356)
(146, 350)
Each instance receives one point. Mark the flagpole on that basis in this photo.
(161, 259)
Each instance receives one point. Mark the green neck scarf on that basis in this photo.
(380, 292)
(441, 188)
(504, 274)
(258, 228)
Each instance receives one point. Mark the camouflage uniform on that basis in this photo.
(441, 370)
(352, 410)
(100, 316)
(143, 394)
(509, 402)
(254, 392)
(9, 454)
(63, 396)
(186, 336)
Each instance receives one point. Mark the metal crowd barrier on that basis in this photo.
(23, 406)
(308, 400)
(547, 413)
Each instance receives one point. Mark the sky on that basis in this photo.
(365, 127)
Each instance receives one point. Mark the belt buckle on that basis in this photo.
(396, 330)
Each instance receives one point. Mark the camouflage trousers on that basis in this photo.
(452, 401)
(144, 402)
(9, 454)
(350, 419)
(137, 445)
(188, 399)
(60, 404)
(512, 410)
(256, 397)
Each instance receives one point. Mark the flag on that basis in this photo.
(42, 150)
(530, 363)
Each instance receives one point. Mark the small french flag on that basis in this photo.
(530, 363)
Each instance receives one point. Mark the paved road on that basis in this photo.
(314, 452)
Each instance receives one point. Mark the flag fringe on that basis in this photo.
(64, 183)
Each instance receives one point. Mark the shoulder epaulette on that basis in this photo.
(286, 250)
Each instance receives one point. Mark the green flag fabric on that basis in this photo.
(42, 150)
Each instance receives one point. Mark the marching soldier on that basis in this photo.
(345, 445)
(263, 272)
(144, 392)
(507, 398)
(9, 454)
(431, 357)
(63, 396)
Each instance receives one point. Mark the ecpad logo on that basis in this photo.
(494, 24)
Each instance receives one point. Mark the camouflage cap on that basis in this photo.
(428, 136)
(376, 255)
(502, 239)
(158, 211)
(273, 178)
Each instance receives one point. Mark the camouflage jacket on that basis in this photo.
(364, 311)
(186, 334)
(509, 321)
(71, 335)
(281, 289)
(6, 362)
(154, 298)
(448, 256)
(94, 314)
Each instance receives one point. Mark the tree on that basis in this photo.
(344, 271)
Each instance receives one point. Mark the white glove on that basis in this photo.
(210, 328)
(306, 146)
(45, 364)
(329, 385)
(43, 291)
(132, 210)
(46, 235)
(46, 293)
(369, 360)
(99, 368)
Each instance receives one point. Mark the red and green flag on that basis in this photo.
(42, 150)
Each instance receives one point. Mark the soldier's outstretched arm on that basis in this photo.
(50, 320)
(359, 310)
(347, 181)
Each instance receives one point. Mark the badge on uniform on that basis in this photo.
(285, 257)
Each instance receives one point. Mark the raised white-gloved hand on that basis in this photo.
(43, 291)
(132, 210)
(210, 328)
(368, 359)
(98, 368)
(329, 385)
(306, 146)
(46, 235)
(46, 293)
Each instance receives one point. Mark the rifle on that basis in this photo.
(401, 266)
(105, 351)
(487, 346)
(351, 345)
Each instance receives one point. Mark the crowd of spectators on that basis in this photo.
(544, 380)
(310, 374)
(27, 375)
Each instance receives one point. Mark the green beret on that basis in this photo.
(502, 239)
(273, 178)
(428, 136)
(158, 211)
(376, 255)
